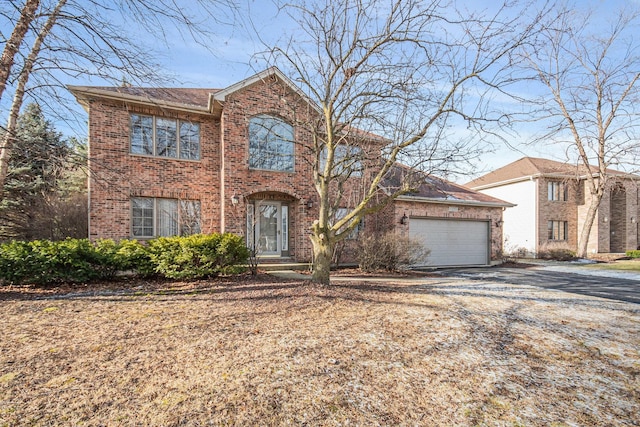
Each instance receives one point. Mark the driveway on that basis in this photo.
(616, 285)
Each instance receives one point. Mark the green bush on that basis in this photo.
(633, 253)
(79, 260)
(197, 256)
(44, 262)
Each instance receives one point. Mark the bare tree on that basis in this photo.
(54, 40)
(589, 71)
(407, 70)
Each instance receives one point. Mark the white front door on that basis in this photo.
(269, 225)
(268, 228)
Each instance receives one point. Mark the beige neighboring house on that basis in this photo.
(551, 201)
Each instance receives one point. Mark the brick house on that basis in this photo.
(178, 161)
(551, 204)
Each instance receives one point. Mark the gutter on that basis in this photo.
(84, 92)
(455, 202)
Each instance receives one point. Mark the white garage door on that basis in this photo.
(452, 242)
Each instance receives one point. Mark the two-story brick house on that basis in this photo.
(551, 201)
(178, 161)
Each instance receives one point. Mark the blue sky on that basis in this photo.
(232, 58)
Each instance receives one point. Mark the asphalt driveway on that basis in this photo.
(613, 285)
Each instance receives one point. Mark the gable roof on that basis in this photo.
(198, 100)
(532, 167)
(431, 189)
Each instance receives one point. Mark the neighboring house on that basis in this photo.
(552, 199)
(180, 161)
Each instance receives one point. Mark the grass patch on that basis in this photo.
(270, 352)
(622, 265)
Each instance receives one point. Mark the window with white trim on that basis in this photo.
(164, 137)
(558, 230)
(153, 217)
(557, 191)
(271, 144)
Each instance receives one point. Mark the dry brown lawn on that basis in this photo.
(266, 351)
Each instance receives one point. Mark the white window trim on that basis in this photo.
(155, 139)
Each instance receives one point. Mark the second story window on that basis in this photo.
(270, 144)
(557, 191)
(163, 137)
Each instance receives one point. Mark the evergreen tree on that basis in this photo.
(38, 172)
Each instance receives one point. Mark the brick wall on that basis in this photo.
(557, 210)
(115, 175)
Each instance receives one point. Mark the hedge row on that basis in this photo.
(79, 260)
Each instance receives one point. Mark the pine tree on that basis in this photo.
(30, 206)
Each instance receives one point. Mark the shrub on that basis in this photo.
(633, 254)
(79, 260)
(44, 262)
(556, 251)
(389, 252)
(197, 256)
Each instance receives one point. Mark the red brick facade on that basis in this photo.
(221, 180)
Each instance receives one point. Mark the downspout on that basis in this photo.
(536, 227)
(223, 198)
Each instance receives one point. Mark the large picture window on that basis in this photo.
(163, 137)
(558, 230)
(151, 217)
(270, 144)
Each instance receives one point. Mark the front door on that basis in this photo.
(271, 228)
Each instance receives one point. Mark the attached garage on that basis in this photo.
(453, 242)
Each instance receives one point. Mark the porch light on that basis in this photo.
(404, 218)
(633, 220)
(309, 204)
(235, 200)
(605, 219)
(499, 223)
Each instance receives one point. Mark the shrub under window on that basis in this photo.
(152, 217)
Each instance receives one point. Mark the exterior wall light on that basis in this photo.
(499, 223)
(404, 218)
(235, 200)
(633, 220)
(310, 204)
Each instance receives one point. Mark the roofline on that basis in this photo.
(83, 92)
(547, 175)
(220, 96)
(455, 202)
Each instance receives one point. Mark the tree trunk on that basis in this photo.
(583, 241)
(18, 97)
(12, 46)
(322, 255)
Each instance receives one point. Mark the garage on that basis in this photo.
(453, 242)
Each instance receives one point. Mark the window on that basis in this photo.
(270, 144)
(558, 230)
(162, 137)
(347, 161)
(557, 191)
(164, 217)
(341, 213)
